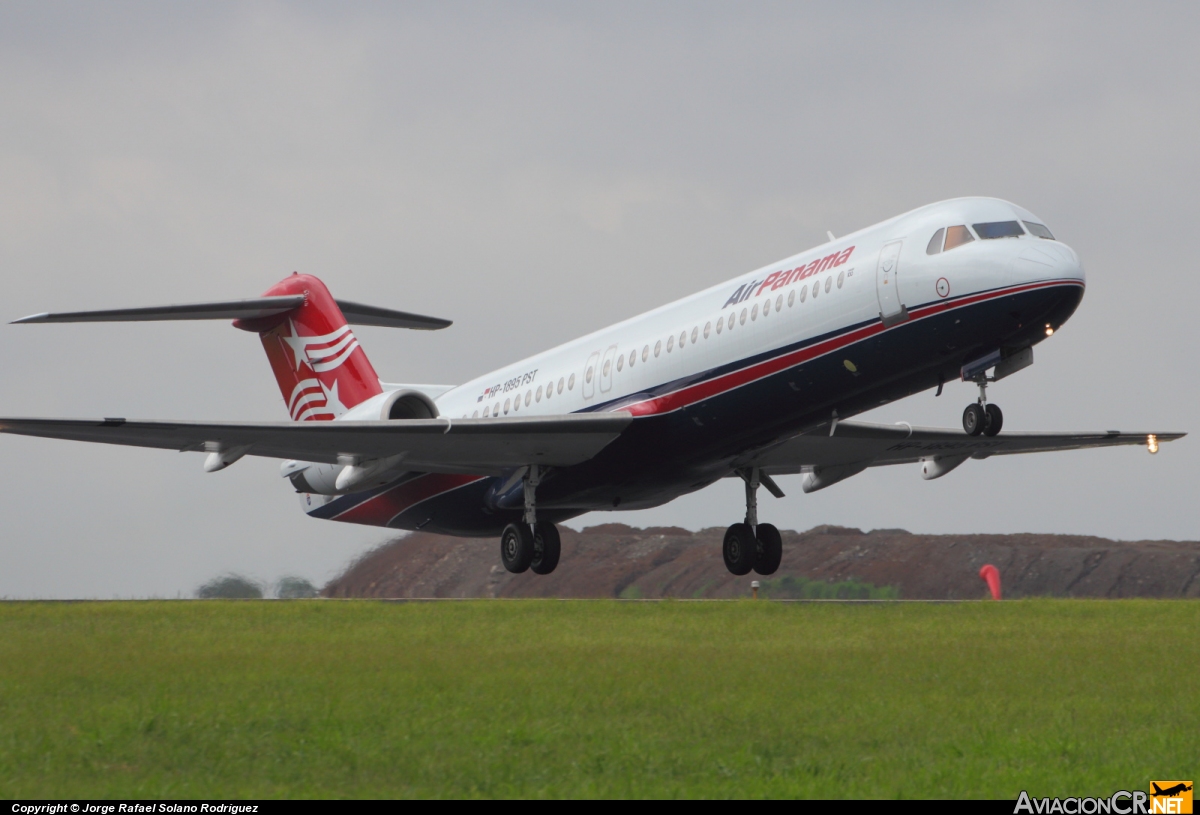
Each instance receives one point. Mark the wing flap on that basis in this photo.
(480, 446)
(856, 442)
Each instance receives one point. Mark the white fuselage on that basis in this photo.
(778, 306)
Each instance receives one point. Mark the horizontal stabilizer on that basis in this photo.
(252, 309)
(222, 310)
(359, 314)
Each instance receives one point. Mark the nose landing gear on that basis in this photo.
(751, 545)
(981, 416)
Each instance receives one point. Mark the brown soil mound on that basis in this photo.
(617, 560)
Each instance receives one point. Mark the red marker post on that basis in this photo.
(991, 574)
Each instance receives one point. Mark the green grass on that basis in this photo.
(789, 587)
(577, 698)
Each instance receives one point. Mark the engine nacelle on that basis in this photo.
(398, 404)
(339, 479)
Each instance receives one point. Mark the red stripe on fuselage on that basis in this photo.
(380, 509)
(726, 382)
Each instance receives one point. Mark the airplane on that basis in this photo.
(1170, 792)
(751, 379)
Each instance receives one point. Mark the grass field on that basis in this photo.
(578, 698)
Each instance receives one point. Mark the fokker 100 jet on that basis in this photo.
(749, 379)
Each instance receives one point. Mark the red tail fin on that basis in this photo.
(321, 370)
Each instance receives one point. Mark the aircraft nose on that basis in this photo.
(1048, 260)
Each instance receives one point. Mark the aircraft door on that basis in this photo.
(606, 369)
(589, 375)
(887, 284)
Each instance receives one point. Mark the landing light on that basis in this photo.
(1049, 330)
(1152, 443)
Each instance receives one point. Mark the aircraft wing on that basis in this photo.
(477, 446)
(853, 446)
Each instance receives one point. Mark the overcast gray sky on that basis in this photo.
(535, 171)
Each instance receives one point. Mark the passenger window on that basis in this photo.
(657, 348)
(607, 367)
(695, 334)
(475, 414)
(621, 362)
(487, 411)
(670, 343)
(935, 243)
(517, 403)
(507, 402)
(730, 324)
(803, 294)
(645, 353)
(632, 358)
(841, 279)
(570, 384)
(766, 306)
(999, 229)
(720, 325)
(816, 289)
(588, 376)
(707, 330)
(742, 319)
(560, 382)
(828, 283)
(538, 396)
(957, 236)
(779, 303)
(1038, 229)
(682, 338)
(754, 312)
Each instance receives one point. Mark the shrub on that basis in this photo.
(230, 587)
(294, 588)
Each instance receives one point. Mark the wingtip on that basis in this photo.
(32, 318)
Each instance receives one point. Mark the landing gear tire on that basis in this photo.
(547, 546)
(974, 419)
(516, 547)
(769, 550)
(994, 420)
(739, 549)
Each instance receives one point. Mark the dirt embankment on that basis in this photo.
(617, 560)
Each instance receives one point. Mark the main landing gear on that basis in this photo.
(530, 544)
(534, 547)
(751, 545)
(981, 416)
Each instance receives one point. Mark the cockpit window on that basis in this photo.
(957, 236)
(935, 243)
(999, 229)
(1038, 229)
